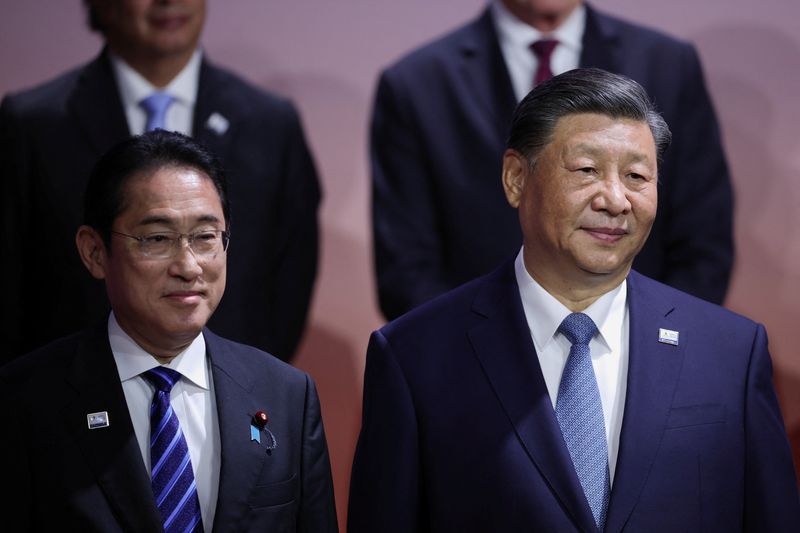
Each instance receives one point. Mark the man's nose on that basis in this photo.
(185, 263)
(612, 196)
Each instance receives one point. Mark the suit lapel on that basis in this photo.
(601, 47)
(96, 106)
(213, 119)
(653, 372)
(483, 71)
(242, 459)
(111, 452)
(504, 347)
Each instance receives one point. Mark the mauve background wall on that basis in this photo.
(326, 56)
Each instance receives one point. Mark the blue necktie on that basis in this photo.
(580, 415)
(170, 465)
(156, 106)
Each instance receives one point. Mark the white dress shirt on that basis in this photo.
(516, 37)
(192, 399)
(134, 88)
(609, 348)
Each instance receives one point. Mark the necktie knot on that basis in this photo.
(579, 328)
(544, 49)
(162, 378)
(156, 106)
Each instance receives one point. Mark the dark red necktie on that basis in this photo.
(543, 50)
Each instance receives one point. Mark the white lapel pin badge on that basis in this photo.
(668, 336)
(217, 123)
(98, 420)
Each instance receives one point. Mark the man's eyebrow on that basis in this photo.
(159, 219)
(155, 220)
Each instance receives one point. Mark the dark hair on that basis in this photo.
(583, 90)
(140, 155)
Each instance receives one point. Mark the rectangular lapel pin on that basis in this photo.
(668, 336)
(98, 420)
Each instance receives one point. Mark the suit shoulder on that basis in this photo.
(252, 97)
(255, 361)
(435, 54)
(445, 312)
(49, 360)
(43, 99)
(711, 314)
(631, 32)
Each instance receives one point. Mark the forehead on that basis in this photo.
(597, 132)
(176, 191)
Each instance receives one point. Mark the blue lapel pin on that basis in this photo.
(668, 336)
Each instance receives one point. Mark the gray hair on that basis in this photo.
(583, 90)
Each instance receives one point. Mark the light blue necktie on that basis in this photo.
(156, 106)
(580, 415)
(170, 465)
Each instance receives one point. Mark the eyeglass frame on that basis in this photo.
(225, 236)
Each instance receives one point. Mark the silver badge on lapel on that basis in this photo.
(668, 336)
(98, 420)
(217, 123)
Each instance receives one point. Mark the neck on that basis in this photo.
(543, 21)
(576, 293)
(158, 70)
(163, 350)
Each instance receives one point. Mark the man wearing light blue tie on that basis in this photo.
(564, 391)
(150, 74)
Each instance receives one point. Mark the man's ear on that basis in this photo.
(515, 170)
(92, 250)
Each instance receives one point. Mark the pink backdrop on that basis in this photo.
(326, 56)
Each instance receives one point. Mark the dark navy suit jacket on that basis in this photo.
(459, 433)
(440, 123)
(51, 136)
(59, 475)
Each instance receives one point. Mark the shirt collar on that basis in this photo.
(545, 313)
(134, 88)
(132, 360)
(513, 31)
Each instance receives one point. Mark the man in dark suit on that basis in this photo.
(440, 119)
(51, 136)
(564, 391)
(147, 420)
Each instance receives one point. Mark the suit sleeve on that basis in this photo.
(407, 242)
(771, 498)
(294, 265)
(386, 482)
(699, 200)
(13, 196)
(317, 508)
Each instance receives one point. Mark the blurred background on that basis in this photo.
(326, 56)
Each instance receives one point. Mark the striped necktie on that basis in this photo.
(170, 465)
(579, 412)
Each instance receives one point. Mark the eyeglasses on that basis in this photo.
(166, 244)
